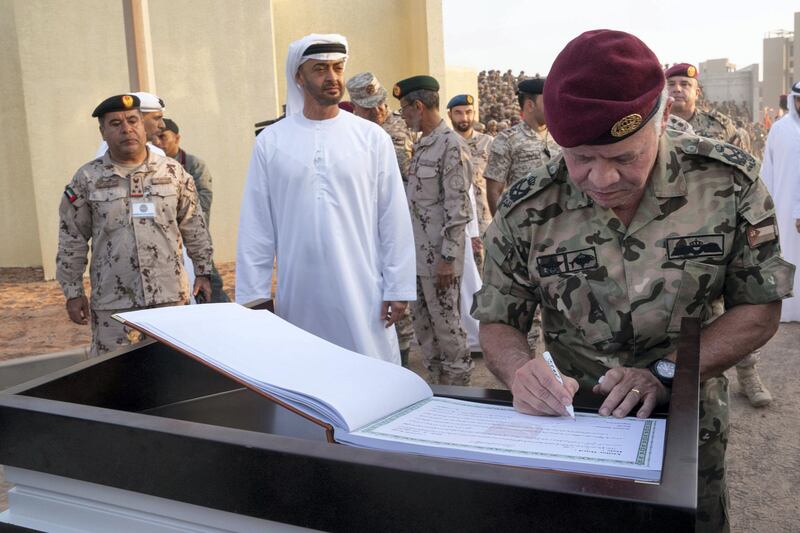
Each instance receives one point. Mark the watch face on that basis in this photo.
(666, 369)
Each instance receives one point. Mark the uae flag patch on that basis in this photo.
(70, 194)
(762, 232)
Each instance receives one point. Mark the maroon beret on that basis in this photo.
(602, 88)
(346, 106)
(681, 69)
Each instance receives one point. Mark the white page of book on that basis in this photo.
(269, 353)
(468, 430)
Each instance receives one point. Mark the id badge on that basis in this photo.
(142, 209)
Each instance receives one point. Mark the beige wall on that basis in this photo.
(460, 81)
(218, 65)
(216, 85)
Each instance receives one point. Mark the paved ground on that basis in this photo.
(763, 453)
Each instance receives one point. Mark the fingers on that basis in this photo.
(537, 391)
(78, 310)
(626, 388)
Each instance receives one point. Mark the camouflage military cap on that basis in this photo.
(365, 90)
(120, 102)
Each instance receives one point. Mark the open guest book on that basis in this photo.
(370, 403)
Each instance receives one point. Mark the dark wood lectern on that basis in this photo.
(152, 421)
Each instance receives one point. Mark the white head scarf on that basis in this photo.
(149, 102)
(295, 58)
(790, 99)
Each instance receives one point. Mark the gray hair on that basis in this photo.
(430, 99)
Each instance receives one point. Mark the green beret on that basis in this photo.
(461, 99)
(120, 102)
(414, 83)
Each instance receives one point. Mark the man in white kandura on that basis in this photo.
(324, 196)
(780, 172)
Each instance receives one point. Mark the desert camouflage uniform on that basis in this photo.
(479, 145)
(714, 125)
(518, 150)
(136, 262)
(403, 141)
(613, 296)
(438, 197)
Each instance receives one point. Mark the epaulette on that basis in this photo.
(527, 187)
(720, 117)
(721, 151)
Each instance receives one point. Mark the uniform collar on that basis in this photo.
(431, 137)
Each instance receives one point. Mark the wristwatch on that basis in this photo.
(663, 370)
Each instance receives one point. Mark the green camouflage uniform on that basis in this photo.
(613, 296)
(714, 125)
(438, 197)
(678, 124)
(403, 141)
(517, 151)
(136, 262)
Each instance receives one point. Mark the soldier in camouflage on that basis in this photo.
(369, 102)
(685, 90)
(518, 150)
(461, 111)
(438, 197)
(138, 209)
(632, 229)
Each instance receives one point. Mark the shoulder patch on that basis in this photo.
(721, 151)
(527, 187)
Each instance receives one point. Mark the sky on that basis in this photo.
(528, 35)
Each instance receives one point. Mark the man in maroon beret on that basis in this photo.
(684, 88)
(632, 229)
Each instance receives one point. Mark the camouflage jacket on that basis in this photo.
(438, 197)
(615, 296)
(714, 125)
(518, 150)
(678, 124)
(403, 141)
(136, 262)
(479, 145)
(202, 180)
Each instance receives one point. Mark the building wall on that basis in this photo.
(721, 82)
(460, 81)
(776, 69)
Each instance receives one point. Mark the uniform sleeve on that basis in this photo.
(74, 232)
(202, 182)
(507, 295)
(192, 226)
(255, 248)
(396, 238)
(499, 164)
(403, 149)
(456, 181)
(757, 273)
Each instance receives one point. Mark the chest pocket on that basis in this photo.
(427, 187)
(165, 198)
(575, 298)
(700, 286)
(110, 207)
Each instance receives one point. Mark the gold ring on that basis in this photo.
(636, 391)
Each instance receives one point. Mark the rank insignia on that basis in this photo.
(762, 232)
(70, 194)
(626, 125)
(566, 262)
(691, 246)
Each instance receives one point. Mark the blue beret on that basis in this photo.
(461, 99)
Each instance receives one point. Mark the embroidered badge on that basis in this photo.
(762, 232)
(566, 262)
(626, 125)
(70, 194)
(690, 246)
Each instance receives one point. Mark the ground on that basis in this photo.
(763, 452)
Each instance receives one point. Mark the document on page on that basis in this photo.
(627, 447)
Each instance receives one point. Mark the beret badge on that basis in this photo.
(470, 99)
(396, 91)
(370, 89)
(691, 71)
(127, 100)
(626, 125)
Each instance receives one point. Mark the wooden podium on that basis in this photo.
(156, 440)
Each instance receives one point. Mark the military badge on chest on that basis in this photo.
(693, 246)
(566, 262)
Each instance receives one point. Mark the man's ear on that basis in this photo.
(178, 138)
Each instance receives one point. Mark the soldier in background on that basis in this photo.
(594, 240)
(169, 140)
(461, 111)
(518, 150)
(438, 196)
(369, 102)
(684, 88)
(137, 208)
